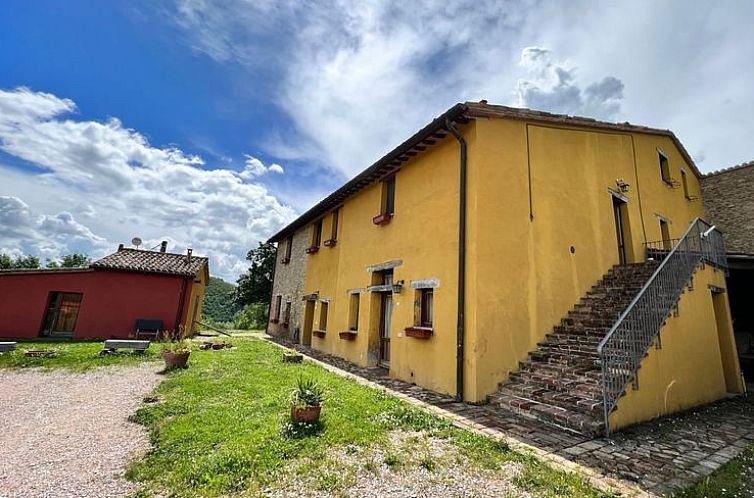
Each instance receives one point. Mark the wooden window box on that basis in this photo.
(418, 332)
(312, 249)
(319, 333)
(274, 320)
(330, 242)
(348, 335)
(382, 219)
(285, 261)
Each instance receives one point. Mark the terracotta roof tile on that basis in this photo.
(152, 262)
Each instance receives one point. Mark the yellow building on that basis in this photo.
(491, 254)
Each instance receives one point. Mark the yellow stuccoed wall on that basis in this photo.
(424, 235)
(198, 289)
(690, 368)
(522, 277)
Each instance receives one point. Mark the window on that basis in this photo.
(685, 184)
(288, 249)
(665, 231)
(62, 313)
(323, 315)
(335, 219)
(426, 305)
(388, 196)
(664, 168)
(353, 312)
(287, 316)
(316, 238)
(278, 305)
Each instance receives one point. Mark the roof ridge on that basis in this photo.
(730, 169)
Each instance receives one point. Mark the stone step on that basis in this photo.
(548, 414)
(588, 403)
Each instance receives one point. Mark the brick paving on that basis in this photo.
(650, 459)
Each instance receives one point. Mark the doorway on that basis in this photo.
(728, 353)
(62, 314)
(306, 338)
(620, 215)
(386, 313)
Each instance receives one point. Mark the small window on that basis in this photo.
(317, 234)
(388, 196)
(288, 248)
(685, 184)
(664, 168)
(426, 305)
(353, 312)
(335, 219)
(323, 315)
(665, 231)
(278, 305)
(287, 316)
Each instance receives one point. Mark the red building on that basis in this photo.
(105, 300)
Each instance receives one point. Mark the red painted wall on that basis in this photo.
(112, 301)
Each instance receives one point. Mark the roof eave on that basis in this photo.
(371, 173)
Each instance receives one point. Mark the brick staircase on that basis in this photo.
(559, 384)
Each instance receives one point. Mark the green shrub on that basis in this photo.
(252, 316)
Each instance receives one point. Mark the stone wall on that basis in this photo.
(729, 201)
(289, 283)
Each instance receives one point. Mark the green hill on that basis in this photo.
(219, 303)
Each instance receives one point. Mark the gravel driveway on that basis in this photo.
(66, 434)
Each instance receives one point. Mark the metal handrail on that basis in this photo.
(628, 341)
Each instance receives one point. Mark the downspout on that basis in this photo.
(460, 329)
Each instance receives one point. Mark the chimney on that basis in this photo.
(188, 253)
(164, 246)
(120, 247)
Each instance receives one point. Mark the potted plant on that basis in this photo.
(176, 353)
(292, 356)
(306, 401)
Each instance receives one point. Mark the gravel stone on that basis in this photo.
(65, 434)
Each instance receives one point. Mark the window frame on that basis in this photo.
(287, 314)
(685, 185)
(426, 307)
(664, 162)
(278, 305)
(324, 310)
(354, 303)
(288, 249)
(388, 196)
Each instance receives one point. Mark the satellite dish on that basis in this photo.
(136, 241)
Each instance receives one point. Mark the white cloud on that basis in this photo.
(358, 78)
(551, 86)
(129, 188)
(253, 168)
(45, 236)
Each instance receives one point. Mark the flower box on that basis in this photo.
(330, 242)
(348, 335)
(382, 219)
(418, 332)
(319, 333)
(312, 249)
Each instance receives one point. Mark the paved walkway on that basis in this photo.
(653, 459)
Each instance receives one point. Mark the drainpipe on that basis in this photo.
(460, 331)
(179, 315)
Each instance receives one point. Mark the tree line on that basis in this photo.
(74, 260)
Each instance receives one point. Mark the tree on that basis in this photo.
(29, 261)
(220, 304)
(75, 260)
(255, 286)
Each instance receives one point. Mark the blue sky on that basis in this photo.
(214, 124)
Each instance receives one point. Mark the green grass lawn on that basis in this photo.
(734, 479)
(72, 354)
(222, 428)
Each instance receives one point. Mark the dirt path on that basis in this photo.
(66, 434)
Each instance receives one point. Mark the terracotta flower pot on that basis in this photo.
(175, 360)
(307, 414)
